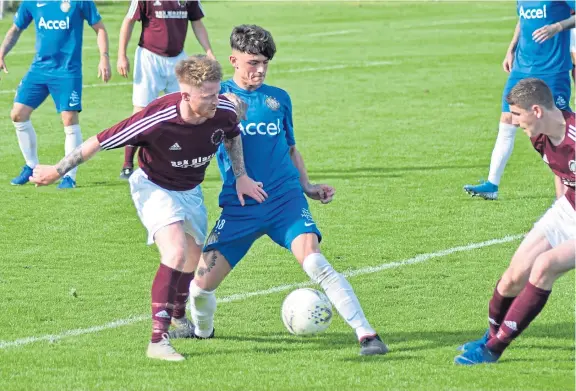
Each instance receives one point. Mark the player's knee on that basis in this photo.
(19, 115)
(175, 259)
(506, 118)
(543, 271)
(70, 118)
(512, 282)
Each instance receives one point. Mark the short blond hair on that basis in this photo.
(198, 69)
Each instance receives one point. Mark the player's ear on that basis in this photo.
(233, 60)
(185, 96)
(537, 110)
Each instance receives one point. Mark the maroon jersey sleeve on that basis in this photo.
(137, 10)
(139, 129)
(195, 11)
(231, 117)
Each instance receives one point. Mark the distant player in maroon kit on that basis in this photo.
(161, 46)
(178, 134)
(548, 250)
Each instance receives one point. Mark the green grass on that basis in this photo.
(397, 139)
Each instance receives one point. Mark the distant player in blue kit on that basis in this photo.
(56, 71)
(270, 157)
(530, 56)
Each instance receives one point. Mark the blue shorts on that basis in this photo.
(35, 88)
(282, 219)
(558, 83)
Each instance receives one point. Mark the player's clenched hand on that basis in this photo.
(508, 61)
(104, 69)
(241, 105)
(247, 186)
(44, 175)
(123, 66)
(3, 65)
(546, 32)
(320, 192)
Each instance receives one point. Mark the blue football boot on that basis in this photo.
(480, 355)
(67, 183)
(22, 179)
(486, 190)
(475, 344)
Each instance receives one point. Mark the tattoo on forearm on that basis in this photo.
(212, 256)
(10, 40)
(236, 155)
(73, 159)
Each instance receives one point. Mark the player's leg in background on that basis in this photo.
(67, 96)
(229, 241)
(547, 268)
(502, 149)
(147, 84)
(169, 64)
(30, 94)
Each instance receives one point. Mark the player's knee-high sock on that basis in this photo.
(497, 309)
(525, 308)
(164, 290)
(202, 309)
(339, 291)
(182, 293)
(502, 151)
(73, 140)
(129, 153)
(27, 142)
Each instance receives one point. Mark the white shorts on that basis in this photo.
(158, 207)
(558, 223)
(153, 74)
(573, 40)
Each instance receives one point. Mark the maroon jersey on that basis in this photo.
(561, 158)
(173, 153)
(164, 23)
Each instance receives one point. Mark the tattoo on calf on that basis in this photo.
(212, 256)
(73, 159)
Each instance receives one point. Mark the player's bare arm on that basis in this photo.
(9, 41)
(509, 57)
(319, 192)
(240, 105)
(123, 63)
(202, 36)
(104, 68)
(45, 175)
(244, 184)
(544, 33)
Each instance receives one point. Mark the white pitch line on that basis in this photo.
(295, 70)
(331, 33)
(243, 296)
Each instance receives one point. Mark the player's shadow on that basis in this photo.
(381, 172)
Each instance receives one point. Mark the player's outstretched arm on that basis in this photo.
(45, 175)
(544, 33)
(104, 68)
(9, 41)
(244, 184)
(202, 36)
(319, 192)
(123, 64)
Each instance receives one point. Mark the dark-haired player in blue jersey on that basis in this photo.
(270, 157)
(56, 71)
(530, 56)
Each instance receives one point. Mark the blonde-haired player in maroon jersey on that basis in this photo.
(161, 46)
(548, 250)
(178, 134)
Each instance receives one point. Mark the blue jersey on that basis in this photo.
(267, 136)
(59, 30)
(551, 56)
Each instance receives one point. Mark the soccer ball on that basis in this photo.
(306, 311)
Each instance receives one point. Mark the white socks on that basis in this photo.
(73, 140)
(202, 309)
(339, 291)
(27, 142)
(502, 151)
